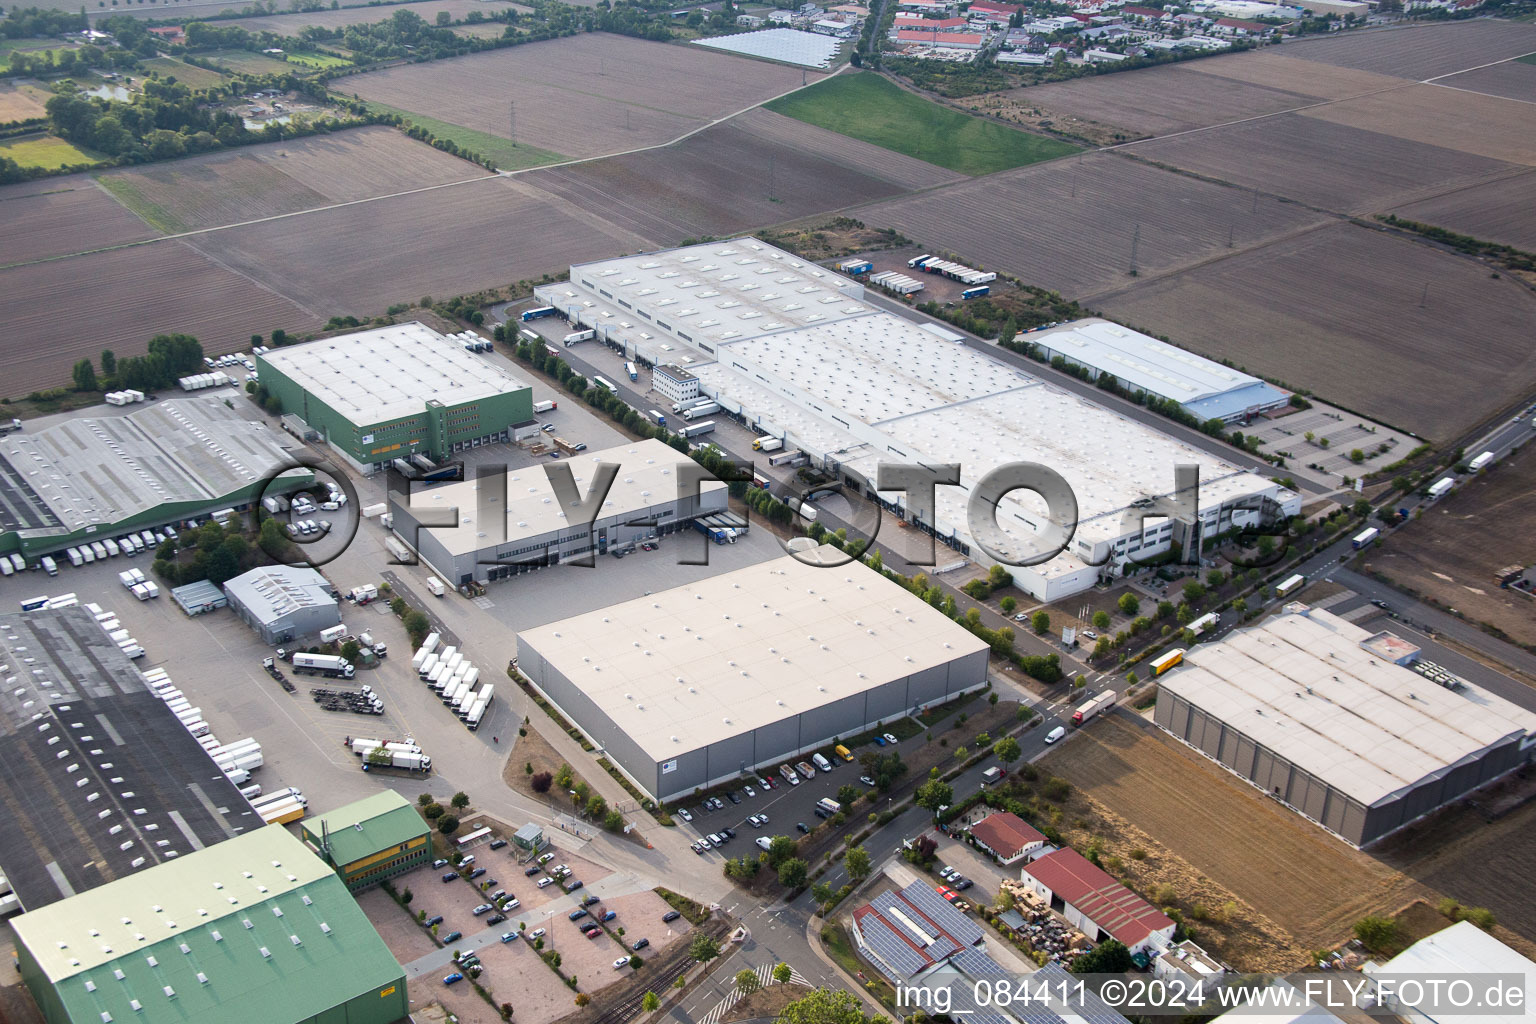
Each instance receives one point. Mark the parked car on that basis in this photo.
(752, 820)
(548, 428)
(484, 908)
(866, 780)
(699, 847)
(478, 872)
(577, 914)
(767, 782)
(591, 900)
(640, 943)
(545, 881)
(749, 791)
(537, 933)
(733, 796)
(533, 869)
(763, 842)
(1089, 634)
(440, 863)
(573, 886)
(545, 858)
(621, 963)
(609, 915)
(682, 812)
(449, 876)
(452, 937)
(591, 931)
(508, 936)
(717, 803)
(892, 740)
(803, 827)
(964, 884)
(728, 833)
(511, 904)
(453, 978)
(434, 919)
(671, 915)
(498, 895)
(497, 844)
(495, 919)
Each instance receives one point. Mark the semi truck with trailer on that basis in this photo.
(545, 406)
(678, 407)
(282, 812)
(1364, 538)
(330, 665)
(632, 370)
(698, 412)
(1440, 488)
(699, 429)
(1204, 623)
(1480, 461)
(1167, 661)
(384, 759)
(767, 444)
(1092, 706)
(1290, 585)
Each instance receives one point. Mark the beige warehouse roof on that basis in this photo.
(695, 665)
(389, 373)
(1302, 685)
(647, 478)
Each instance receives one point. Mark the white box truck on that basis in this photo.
(322, 664)
(436, 586)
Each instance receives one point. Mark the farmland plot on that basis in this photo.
(1512, 79)
(1420, 51)
(1071, 225)
(293, 24)
(1499, 211)
(1338, 311)
(1490, 126)
(1156, 101)
(1277, 70)
(57, 216)
(1453, 550)
(584, 95)
(22, 102)
(282, 177)
(841, 149)
(127, 296)
(726, 180)
(355, 259)
(1318, 162)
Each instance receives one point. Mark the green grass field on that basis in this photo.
(317, 60)
(501, 152)
(870, 108)
(47, 152)
(189, 75)
(246, 62)
(32, 47)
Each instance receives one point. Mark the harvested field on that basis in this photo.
(293, 24)
(1291, 871)
(725, 180)
(57, 216)
(1499, 211)
(1514, 79)
(1418, 52)
(282, 177)
(1324, 164)
(1277, 70)
(350, 259)
(1338, 311)
(1471, 122)
(108, 291)
(21, 102)
(840, 149)
(1155, 101)
(584, 95)
(1069, 225)
(189, 75)
(244, 62)
(1453, 550)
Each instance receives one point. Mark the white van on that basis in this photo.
(821, 763)
(1055, 734)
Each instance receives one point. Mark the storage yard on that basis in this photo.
(585, 95)
(1292, 872)
(282, 177)
(1361, 339)
(1454, 552)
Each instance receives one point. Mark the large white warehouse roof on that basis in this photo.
(704, 662)
(647, 477)
(1304, 685)
(388, 373)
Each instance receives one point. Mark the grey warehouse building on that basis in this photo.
(283, 602)
(496, 527)
(693, 686)
(1327, 718)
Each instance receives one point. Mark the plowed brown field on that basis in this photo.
(55, 216)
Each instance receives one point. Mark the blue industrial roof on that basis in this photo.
(1257, 395)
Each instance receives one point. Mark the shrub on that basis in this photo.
(1482, 917)
(541, 782)
(1376, 933)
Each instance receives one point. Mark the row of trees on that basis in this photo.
(170, 357)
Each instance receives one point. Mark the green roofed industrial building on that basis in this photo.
(373, 839)
(393, 392)
(255, 930)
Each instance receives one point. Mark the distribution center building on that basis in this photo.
(695, 685)
(370, 840)
(283, 602)
(94, 477)
(503, 526)
(1315, 711)
(1141, 364)
(256, 930)
(393, 392)
(793, 350)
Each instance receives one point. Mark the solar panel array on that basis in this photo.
(961, 928)
(977, 964)
(889, 947)
(1091, 1009)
